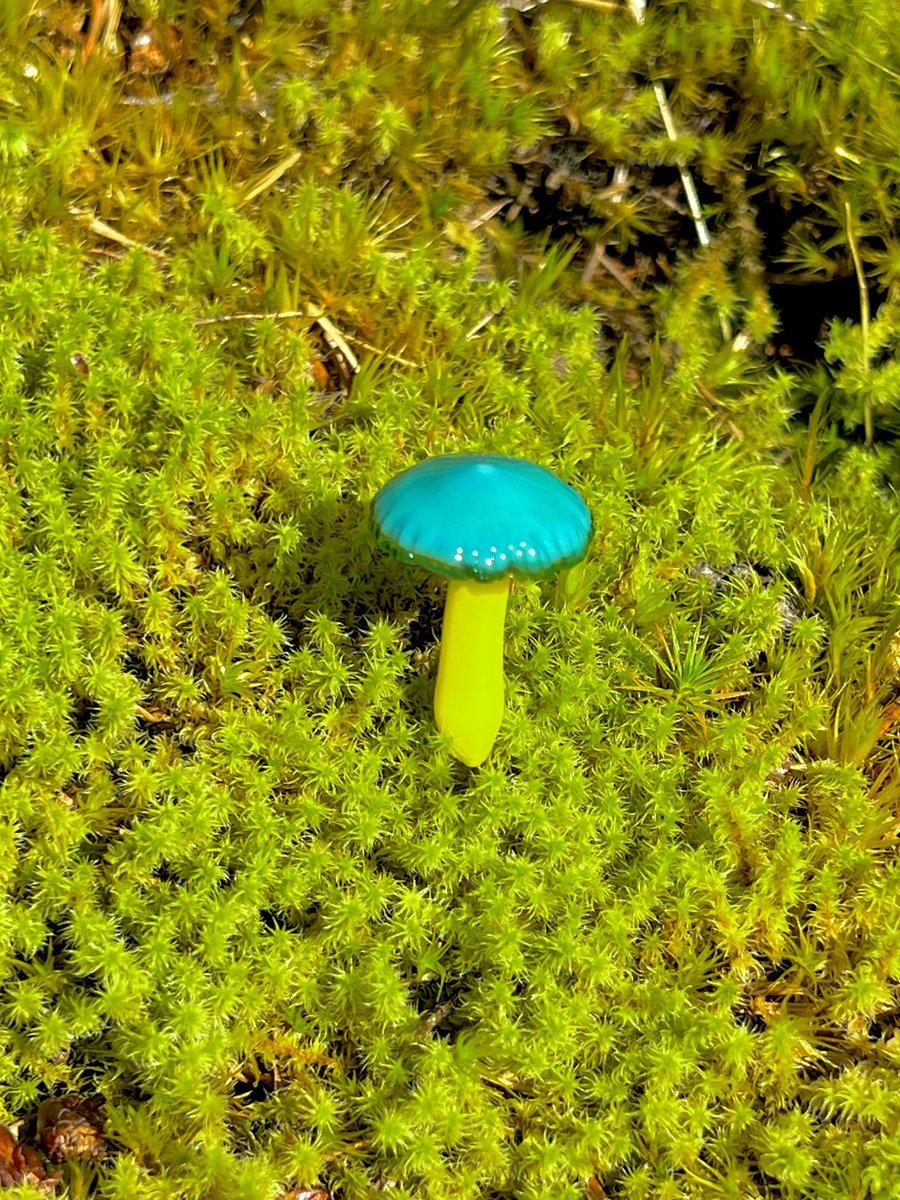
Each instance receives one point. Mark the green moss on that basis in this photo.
(249, 899)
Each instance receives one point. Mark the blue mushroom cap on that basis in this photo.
(481, 516)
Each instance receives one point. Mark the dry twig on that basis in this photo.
(333, 336)
(101, 229)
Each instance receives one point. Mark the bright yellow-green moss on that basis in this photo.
(247, 896)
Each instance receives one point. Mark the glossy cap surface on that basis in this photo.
(481, 516)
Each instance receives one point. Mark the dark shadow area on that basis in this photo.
(84, 713)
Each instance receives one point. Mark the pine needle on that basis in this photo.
(270, 177)
(863, 313)
(101, 229)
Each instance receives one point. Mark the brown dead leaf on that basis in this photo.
(71, 1127)
(154, 48)
(21, 1165)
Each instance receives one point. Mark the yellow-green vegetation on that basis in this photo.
(255, 259)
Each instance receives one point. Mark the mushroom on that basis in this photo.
(479, 520)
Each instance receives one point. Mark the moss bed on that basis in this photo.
(261, 936)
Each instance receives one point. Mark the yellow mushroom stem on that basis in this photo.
(468, 695)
